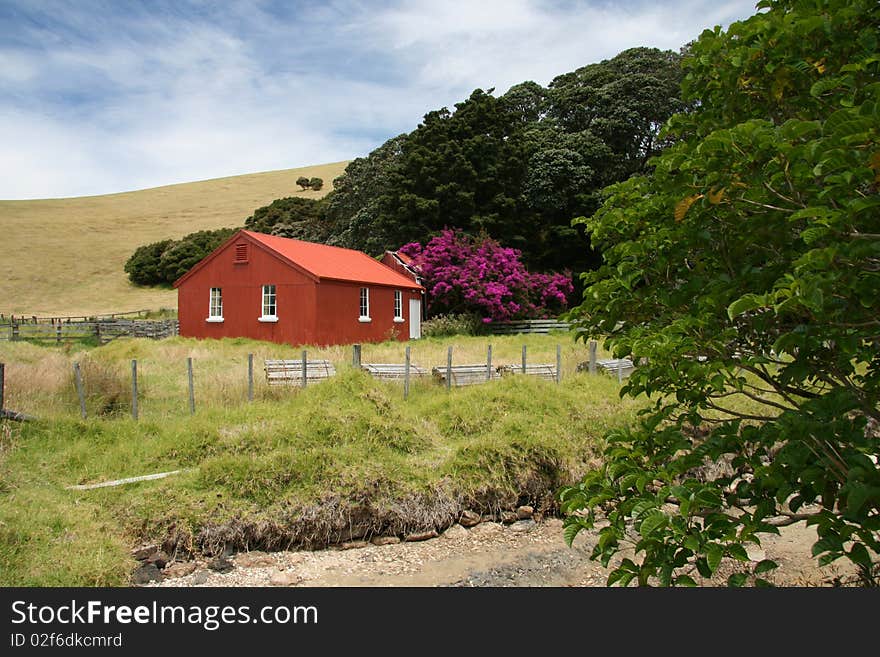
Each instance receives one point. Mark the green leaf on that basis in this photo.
(745, 304)
(652, 522)
(737, 580)
(765, 566)
(714, 553)
(738, 552)
(859, 554)
(570, 531)
(703, 567)
(685, 580)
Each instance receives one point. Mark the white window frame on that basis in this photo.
(267, 305)
(215, 305)
(364, 305)
(398, 307)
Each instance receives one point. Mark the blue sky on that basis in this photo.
(101, 97)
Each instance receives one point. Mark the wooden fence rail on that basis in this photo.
(67, 319)
(104, 331)
(527, 326)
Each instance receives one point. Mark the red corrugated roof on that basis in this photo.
(333, 262)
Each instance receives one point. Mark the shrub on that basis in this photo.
(479, 276)
(316, 183)
(303, 182)
(446, 325)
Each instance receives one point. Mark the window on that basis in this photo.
(215, 305)
(398, 306)
(270, 313)
(365, 305)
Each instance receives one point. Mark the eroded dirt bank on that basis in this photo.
(524, 553)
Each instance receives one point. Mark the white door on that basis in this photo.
(415, 319)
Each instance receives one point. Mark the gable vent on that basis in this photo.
(241, 252)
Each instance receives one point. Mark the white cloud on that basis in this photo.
(108, 103)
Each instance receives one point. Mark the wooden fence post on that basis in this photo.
(449, 368)
(489, 363)
(593, 345)
(406, 374)
(14, 330)
(77, 378)
(356, 356)
(304, 365)
(558, 363)
(250, 377)
(620, 371)
(189, 376)
(58, 334)
(134, 389)
(98, 332)
(2, 385)
(524, 359)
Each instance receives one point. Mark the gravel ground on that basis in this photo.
(525, 553)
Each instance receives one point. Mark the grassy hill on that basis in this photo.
(65, 256)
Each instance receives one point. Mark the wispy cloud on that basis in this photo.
(98, 97)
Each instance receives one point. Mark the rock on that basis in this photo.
(353, 545)
(421, 536)
(455, 532)
(525, 512)
(508, 517)
(255, 559)
(469, 518)
(284, 578)
(221, 565)
(179, 569)
(523, 526)
(756, 553)
(158, 559)
(486, 529)
(385, 540)
(200, 578)
(144, 552)
(146, 573)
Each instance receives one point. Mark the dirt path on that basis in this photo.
(522, 554)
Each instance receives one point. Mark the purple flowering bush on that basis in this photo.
(477, 275)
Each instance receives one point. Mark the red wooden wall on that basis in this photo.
(309, 311)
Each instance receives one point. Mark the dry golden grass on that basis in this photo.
(65, 256)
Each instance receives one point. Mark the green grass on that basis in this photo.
(293, 467)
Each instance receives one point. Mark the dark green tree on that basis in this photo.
(518, 167)
(183, 254)
(143, 267)
(304, 182)
(744, 275)
(316, 184)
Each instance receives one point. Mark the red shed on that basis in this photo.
(289, 291)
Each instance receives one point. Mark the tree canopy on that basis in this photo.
(743, 274)
(517, 167)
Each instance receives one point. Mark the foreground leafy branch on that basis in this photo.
(743, 275)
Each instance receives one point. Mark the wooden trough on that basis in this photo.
(465, 375)
(541, 370)
(290, 372)
(393, 371)
(621, 367)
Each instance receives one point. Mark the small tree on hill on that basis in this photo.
(316, 183)
(304, 182)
